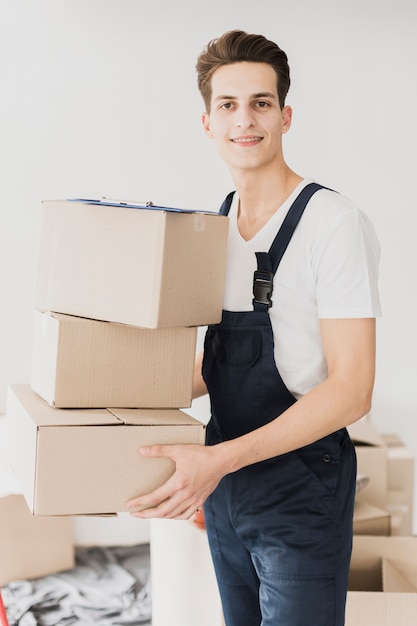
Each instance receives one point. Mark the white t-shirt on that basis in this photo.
(329, 270)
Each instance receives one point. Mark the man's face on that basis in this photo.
(245, 119)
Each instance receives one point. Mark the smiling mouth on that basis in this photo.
(247, 140)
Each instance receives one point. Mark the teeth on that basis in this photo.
(246, 139)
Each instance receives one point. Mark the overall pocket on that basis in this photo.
(322, 459)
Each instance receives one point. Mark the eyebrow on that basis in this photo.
(262, 94)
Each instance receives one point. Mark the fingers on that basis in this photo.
(151, 500)
(175, 507)
(157, 451)
(179, 497)
(168, 501)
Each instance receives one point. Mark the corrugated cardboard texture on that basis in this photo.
(84, 363)
(88, 461)
(141, 267)
(30, 546)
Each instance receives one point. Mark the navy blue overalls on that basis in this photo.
(280, 531)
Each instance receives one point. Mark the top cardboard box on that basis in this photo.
(147, 267)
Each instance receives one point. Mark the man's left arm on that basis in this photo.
(341, 399)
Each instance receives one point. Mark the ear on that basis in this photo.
(205, 118)
(286, 119)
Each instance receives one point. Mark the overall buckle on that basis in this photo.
(263, 283)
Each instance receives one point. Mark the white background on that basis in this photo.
(99, 98)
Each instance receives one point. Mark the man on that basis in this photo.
(287, 369)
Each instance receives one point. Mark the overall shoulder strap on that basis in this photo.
(281, 241)
(268, 261)
(225, 207)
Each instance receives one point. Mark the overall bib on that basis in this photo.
(280, 531)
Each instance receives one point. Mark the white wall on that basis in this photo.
(98, 97)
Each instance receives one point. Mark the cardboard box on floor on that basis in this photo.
(76, 462)
(139, 266)
(371, 453)
(30, 546)
(84, 363)
(383, 582)
(370, 520)
(400, 484)
(389, 465)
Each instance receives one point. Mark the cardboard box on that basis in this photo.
(389, 465)
(30, 546)
(75, 461)
(383, 582)
(371, 452)
(144, 267)
(370, 520)
(84, 363)
(400, 484)
(381, 609)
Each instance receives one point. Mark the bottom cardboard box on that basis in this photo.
(30, 546)
(383, 582)
(78, 462)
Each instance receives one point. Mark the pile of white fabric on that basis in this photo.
(108, 586)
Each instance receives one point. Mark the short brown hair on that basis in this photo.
(236, 46)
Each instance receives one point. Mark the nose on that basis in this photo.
(245, 117)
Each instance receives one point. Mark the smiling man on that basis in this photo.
(288, 368)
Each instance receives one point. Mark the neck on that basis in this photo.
(261, 196)
(265, 193)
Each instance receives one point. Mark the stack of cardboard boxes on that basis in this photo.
(383, 575)
(121, 291)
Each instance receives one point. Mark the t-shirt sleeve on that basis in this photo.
(345, 263)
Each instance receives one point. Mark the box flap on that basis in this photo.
(42, 414)
(368, 552)
(154, 417)
(363, 432)
(393, 580)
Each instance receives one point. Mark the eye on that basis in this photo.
(226, 105)
(262, 104)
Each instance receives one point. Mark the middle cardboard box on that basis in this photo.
(87, 461)
(83, 363)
